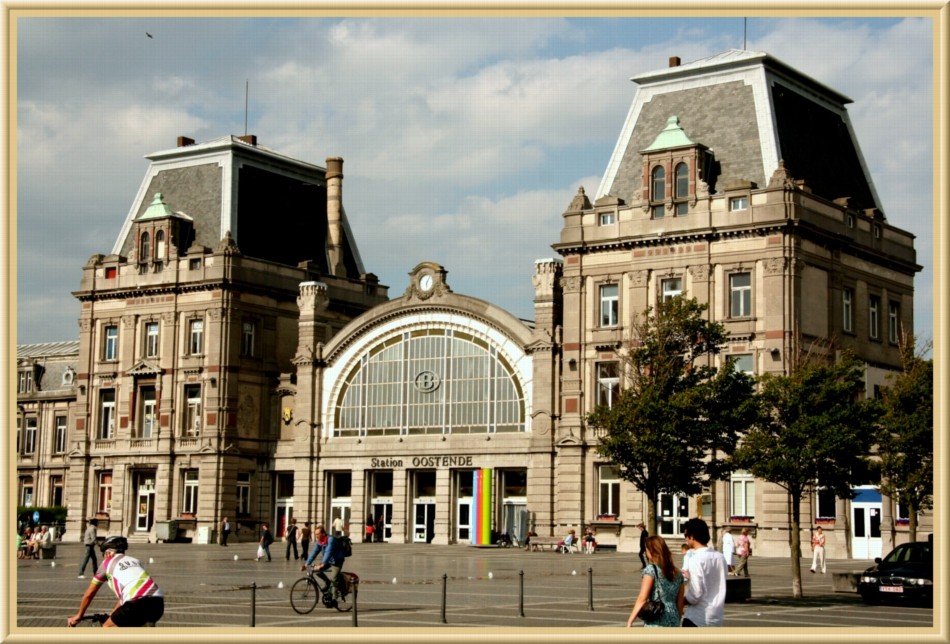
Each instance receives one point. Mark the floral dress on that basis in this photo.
(666, 591)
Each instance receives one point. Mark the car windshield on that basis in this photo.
(909, 552)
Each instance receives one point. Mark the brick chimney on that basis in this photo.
(184, 141)
(335, 215)
(674, 61)
(250, 139)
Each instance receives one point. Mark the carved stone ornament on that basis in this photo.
(781, 177)
(775, 265)
(700, 272)
(227, 245)
(571, 284)
(640, 278)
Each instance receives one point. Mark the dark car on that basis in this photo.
(906, 574)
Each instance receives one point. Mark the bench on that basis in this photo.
(49, 552)
(539, 543)
(738, 589)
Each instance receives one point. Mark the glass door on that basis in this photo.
(423, 528)
(673, 510)
(145, 508)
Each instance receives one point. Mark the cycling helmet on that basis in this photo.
(120, 544)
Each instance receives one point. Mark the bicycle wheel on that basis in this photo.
(304, 595)
(344, 601)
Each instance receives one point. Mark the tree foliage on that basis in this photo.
(677, 411)
(905, 436)
(814, 427)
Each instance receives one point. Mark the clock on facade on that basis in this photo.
(426, 282)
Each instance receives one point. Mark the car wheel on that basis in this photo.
(870, 599)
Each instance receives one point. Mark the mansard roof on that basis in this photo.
(274, 206)
(752, 111)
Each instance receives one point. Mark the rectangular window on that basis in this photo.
(902, 513)
(681, 208)
(874, 308)
(148, 417)
(608, 383)
(105, 492)
(26, 491)
(29, 437)
(59, 440)
(247, 339)
(151, 340)
(672, 287)
(607, 218)
(56, 490)
(609, 501)
(847, 310)
(194, 264)
(738, 203)
(196, 331)
(893, 322)
(107, 414)
(743, 494)
(19, 433)
(609, 305)
(825, 503)
(743, 363)
(25, 385)
(740, 295)
(110, 350)
(193, 411)
(189, 500)
(243, 493)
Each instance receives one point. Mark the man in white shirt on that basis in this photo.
(706, 578)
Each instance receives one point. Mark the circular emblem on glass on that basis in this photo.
(427, 381)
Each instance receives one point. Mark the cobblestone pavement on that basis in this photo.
(218, 589)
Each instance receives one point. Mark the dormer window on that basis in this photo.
(607, 218)
(657, 191)
(144, 247)
(681, 190)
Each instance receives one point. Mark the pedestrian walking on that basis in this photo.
(668, 582)
(290, 536)
(743, 552)
(818, 549)
(263, 545)
(643, 544)
(305, 539)
(337, 526)
(89, 540)
(225, 531)
(728, 549)
(706, 577)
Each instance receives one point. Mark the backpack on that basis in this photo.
(346, 545)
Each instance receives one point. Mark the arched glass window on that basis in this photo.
(430, 381)
(160, 244)
(682, 181)
(144, 248)
(681, 189)
(657, 190)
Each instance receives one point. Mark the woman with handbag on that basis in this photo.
(662, 591)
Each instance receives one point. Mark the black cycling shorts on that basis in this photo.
(136, 613)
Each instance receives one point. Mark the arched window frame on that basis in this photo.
(160, 245)
(657, 190)
(681, 188)
(144, 247)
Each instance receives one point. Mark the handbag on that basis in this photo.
(653, 609)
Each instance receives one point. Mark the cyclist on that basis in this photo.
(139, 598)
(332, 562)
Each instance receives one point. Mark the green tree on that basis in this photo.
(905, 438)
(813, 426)
(677, 412)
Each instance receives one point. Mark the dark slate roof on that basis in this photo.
(48, 349)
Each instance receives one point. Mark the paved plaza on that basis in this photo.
(211, 588)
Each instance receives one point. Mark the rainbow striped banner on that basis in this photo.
(481, 512)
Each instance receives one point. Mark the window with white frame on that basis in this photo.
(743, 494)
(29, 436)
(107, 414)
(110, 350)
(738, 203)
(607, 218)
(243, 493)
(740, 295)
(196, 330)
(609, 305)
(145, 250)
(59, 440)
(192, 416)
(874, 312)
(825, 503)
(104, 501)
(609, 483)
(893, 322)
(248, 331)
(147, 412)
(902, 512)
(25, 383)
(151, 339)
(26, 491)
(671, 287)
(847, 310)
(189, 499)
(608, 383)
(19, 433)
(160, 245)
(56, 486)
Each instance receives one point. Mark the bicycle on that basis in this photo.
(308, 589)
(95, 618)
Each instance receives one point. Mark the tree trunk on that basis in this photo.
(912, 525)
(651, 515)
(795, 544)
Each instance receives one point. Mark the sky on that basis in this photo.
(464, 139)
